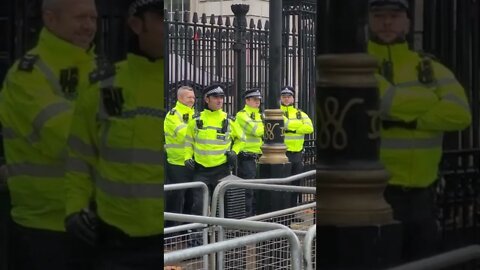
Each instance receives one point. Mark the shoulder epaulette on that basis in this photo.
(27, 62)
(425, 55)
(196, 115)
(104, 70)
(231, 117)
(172, 111)
(425, 68)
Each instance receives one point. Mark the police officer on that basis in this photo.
(37, 102)
(424, 100)
(212, 143)
(116, 153)
(297, 125)
(250, 120)
(175, 130)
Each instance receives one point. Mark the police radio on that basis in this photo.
(224, 125)
(185, 117)
(113, 100)
(199, 123)
(425, 71)
(69, 82)
(387, 70)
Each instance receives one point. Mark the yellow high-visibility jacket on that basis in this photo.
(116, 157)
(250, 121)
(207, 143)
(175, 130)
(36, 108)
(411, 155)
(297, 125)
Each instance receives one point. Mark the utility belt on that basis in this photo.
(111, 236)
(297, 152)
(201, 168)
(248, 156)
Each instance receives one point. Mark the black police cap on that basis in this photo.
(254, 92)
(388, 4)
(138, 7)
(287, 90)
(213, 90)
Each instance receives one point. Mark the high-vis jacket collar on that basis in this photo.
(62, 51)
(182, 108)
(393, 52)
(249, 109)
(144, 66)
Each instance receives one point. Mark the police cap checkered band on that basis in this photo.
(217, 91)
(287, 90)
(136, 5)
(253, 93)
(384, 4)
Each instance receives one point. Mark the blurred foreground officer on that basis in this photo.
(175, 131)
(36, 108)
(212, 143)
(250, 121)
(116, 152)
(297, 125)
(424, 101)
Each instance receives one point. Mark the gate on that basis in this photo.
(451, 32)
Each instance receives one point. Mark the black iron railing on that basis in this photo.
(451, 32)
(225, 49)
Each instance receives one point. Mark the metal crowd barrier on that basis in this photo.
(178, 237)
(459, 259)
(272, 253)
(272, 231)
(250, 255)
(285, 180)
(309, 248)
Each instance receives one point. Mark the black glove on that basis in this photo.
(231, 158)
(83, 225)
(386, 124)
(190, 164)
(290, 131)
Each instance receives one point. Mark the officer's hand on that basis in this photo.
(290, 131)
(295, 125)
(83, 225)
(190, 164)
(386, 124)
(231, 158)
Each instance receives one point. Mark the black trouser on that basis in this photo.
(247, 169)
(210, 177)
(416, 209)
(175, 200)
(44, 249)
(296, 159)
(118, 251)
